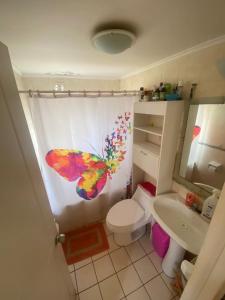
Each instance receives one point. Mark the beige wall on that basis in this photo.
(199, 67)
(48, 83)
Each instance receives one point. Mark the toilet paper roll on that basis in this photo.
(214, 166)
(211, 169)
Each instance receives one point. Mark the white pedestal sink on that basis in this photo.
(185, 227)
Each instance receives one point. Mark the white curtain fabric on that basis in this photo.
(88, 168)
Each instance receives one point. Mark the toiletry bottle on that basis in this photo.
(142, 94)
(209, 204)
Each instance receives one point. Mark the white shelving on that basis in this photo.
(156, 131)
(150, 129)
(149, 147)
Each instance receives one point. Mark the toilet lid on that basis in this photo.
(125, 213)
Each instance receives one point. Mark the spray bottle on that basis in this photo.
(209, 204)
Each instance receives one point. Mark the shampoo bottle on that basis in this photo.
(210, 204)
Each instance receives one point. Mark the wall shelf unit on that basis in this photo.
(156, 133)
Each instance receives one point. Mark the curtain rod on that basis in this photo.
(70, 93)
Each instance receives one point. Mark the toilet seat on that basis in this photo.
(125, 215)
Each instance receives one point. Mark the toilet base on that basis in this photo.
(124, 239)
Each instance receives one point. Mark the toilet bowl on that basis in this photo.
(127, 218)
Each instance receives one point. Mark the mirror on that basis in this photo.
(202, 157)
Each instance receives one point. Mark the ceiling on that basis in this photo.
(52, 36)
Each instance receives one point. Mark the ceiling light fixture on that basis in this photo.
(113, 41)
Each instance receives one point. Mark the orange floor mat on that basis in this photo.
(85, 242)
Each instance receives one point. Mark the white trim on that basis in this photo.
(16, 70)
(196, 48)
(93, 77)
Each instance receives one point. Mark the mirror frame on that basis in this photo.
(176, 174)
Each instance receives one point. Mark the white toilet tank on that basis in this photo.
(143, 198)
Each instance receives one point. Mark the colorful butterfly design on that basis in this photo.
(92, 170)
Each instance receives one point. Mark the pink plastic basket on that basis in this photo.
(160, 240)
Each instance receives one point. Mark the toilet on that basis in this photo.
(127, 218)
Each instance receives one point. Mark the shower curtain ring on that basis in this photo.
(38, 93)
(85, 94)
(69, 93)
(54, 94)
(30, 93)
(112, 92)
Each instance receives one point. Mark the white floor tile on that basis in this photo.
(112, 245)
(146, 244)
(92, 293)
(120, 259)
(158, 290)
(71, 268)
(86, 277)
(129, 280)
(168, 281)
(140, 294)
(157, 261)
(103, 267)
(82, 263)
(111, 289)
(145, 269)
(72, 275)
(135, 251)
(99, 255)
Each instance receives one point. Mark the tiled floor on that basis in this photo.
(133, 273)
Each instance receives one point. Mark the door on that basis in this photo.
(31, 266)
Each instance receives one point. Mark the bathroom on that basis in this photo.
(115, 155)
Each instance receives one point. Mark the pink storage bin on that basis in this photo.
(160, 240)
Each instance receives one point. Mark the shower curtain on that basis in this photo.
(84, 149)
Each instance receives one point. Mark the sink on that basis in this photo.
(185, 227)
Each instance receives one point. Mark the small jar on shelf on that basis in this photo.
(145, 95)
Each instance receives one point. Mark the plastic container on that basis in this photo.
(149, 187)
(160, 240)
(209, 204)
(172, 97)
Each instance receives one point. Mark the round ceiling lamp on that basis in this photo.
(113, 41)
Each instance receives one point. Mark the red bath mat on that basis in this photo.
(85, 242)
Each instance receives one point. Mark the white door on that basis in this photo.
(31, 266)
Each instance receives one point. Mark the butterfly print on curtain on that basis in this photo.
(93, 170)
